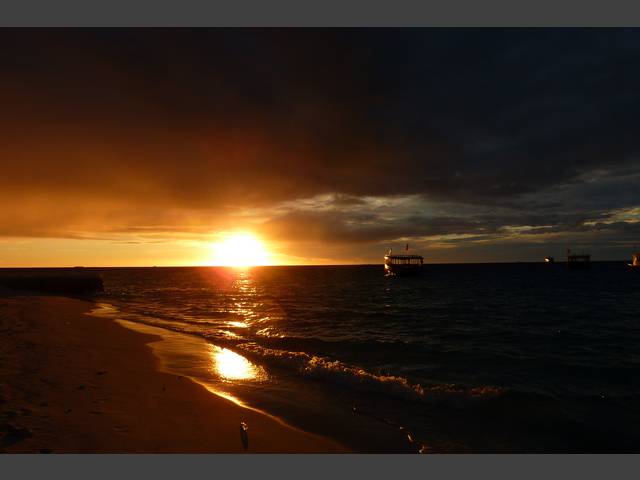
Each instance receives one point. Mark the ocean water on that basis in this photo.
(465, 358)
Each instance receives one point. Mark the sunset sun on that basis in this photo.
(240, 250)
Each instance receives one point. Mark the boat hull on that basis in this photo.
(578, 265)
(403, 270)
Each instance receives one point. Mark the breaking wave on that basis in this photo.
(335, 371)
(322, 368)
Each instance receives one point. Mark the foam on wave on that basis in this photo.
(326, 369)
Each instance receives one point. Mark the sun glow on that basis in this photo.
(240, 250)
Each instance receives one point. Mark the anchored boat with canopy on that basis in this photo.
(403, 264)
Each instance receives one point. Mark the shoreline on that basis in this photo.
(234, 376)
(71, 382)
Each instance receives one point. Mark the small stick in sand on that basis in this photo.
(244, 435)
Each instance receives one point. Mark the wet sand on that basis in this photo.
(74, 383)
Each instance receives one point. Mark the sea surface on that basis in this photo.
(465, 358)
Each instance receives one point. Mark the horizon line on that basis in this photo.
(296, 265)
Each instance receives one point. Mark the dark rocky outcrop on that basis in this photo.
(58, 281)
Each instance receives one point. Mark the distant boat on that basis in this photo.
(549, 259)
(635, 262)
(403, 264)
(581, 260)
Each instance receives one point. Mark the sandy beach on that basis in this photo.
(74, 383)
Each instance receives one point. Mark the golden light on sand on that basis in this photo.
(231, 366)
(240, 250)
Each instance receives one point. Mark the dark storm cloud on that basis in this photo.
(100, 126)
(336, 226)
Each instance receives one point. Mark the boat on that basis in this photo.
(635, 262)
(579, 260)
(402, 265)
(549, 259)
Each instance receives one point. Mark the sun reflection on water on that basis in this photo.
(231, 366)
(249, 303)
(237, 324)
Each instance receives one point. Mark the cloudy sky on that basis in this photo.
(145, 147)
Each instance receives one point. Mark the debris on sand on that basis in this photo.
(244, 435)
